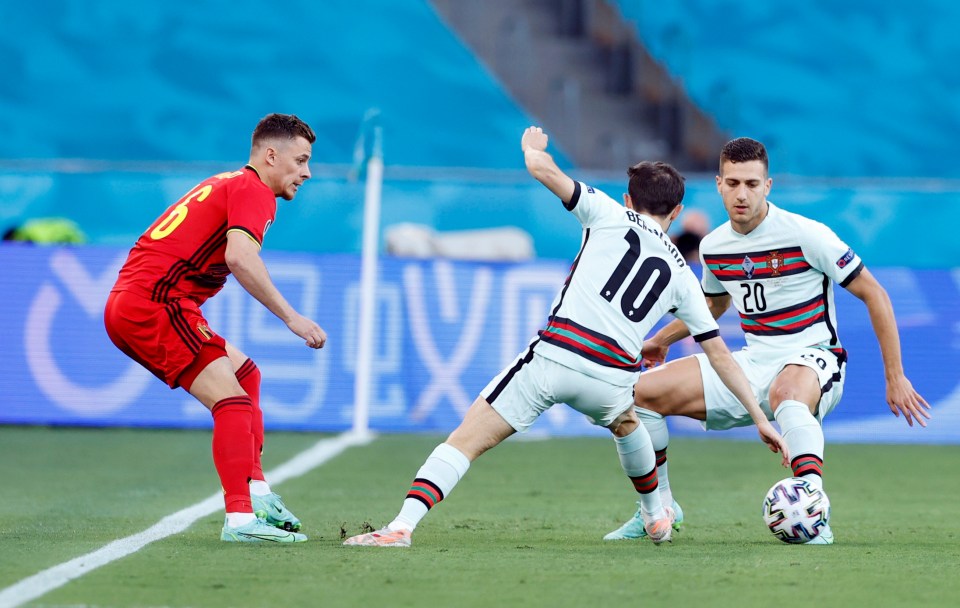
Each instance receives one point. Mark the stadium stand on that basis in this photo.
(871, 83)
(154, 82)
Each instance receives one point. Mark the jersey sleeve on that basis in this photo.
(251, 210)
(590, 205)
(693, 311)
(824, 251)
(709, 282)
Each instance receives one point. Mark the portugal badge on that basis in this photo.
(775, 263)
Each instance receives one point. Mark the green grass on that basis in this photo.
(522, 529)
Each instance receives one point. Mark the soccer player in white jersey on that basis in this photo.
(626, 276)
(778, 270)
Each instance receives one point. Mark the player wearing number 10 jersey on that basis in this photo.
(626, 276)
(778, 270)
(153, 312)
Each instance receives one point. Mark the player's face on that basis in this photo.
(291, 164)
(744, 188)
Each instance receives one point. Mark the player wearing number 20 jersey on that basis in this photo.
(780, 279)
(626, 277)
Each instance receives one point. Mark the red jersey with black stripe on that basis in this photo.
(182, 254)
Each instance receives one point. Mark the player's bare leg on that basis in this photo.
(481, 429)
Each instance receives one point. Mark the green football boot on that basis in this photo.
(271, 508)
(259, 531)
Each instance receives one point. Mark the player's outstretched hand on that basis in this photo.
(653, 354)
(774, 441)
(313, 334)
(534, 139)
(902, 398)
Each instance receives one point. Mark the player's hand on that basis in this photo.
(312, 334)
(774, 441)
(534, 139)
(902, 398)
(653, 354)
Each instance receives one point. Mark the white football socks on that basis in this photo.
(259, 487)
(443, 469)
(637, 459)
(235, 520)
(656, 426)
(803, 436)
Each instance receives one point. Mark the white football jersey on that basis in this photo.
(626, 277)
(780, 278)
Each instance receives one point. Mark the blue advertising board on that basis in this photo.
(444, 329)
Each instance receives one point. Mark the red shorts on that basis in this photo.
(164, 338)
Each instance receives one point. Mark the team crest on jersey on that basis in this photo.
(204, 330)
(775, 263)
(748, 267)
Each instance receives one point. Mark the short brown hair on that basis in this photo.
(744, 149)
(282, 126)
(655, 187)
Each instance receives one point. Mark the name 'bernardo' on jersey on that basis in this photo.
(636, 219)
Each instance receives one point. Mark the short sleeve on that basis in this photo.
(251, 209)
(693, 309)
(709, 282)
(825, 252)
(590, 205)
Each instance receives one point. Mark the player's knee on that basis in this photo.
(787, 392)
(624, 424)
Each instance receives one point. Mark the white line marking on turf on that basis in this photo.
(46, 581)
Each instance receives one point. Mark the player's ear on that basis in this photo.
(676, 212)
(627, 201)
(270, 155)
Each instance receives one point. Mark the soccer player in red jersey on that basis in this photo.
(153, 312)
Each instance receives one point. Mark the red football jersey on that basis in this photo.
(183, 253)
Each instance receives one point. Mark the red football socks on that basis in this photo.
(233, 451)
(249, 377)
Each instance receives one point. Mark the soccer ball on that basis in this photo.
(795, 510)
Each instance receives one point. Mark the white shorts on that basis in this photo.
(724, 410)
(532, 384)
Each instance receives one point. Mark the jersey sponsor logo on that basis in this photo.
(846, 258)
(775, 263)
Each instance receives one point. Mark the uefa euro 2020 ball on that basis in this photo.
(796, 510)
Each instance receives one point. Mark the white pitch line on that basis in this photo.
(47, 580)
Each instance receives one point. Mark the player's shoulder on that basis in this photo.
(800, 226)
(595, 195)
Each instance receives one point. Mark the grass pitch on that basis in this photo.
(523, 528)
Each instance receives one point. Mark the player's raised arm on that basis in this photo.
(901, 396)
(732, 376)
(541, 166)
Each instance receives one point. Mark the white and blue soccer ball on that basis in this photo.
(795, 510)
